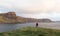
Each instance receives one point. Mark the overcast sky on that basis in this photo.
(32, 8)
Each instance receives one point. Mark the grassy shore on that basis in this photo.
(32, 31)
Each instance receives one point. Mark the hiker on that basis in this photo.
(36, 24)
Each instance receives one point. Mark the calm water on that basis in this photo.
(9, 27)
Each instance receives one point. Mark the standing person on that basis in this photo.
(36, 24)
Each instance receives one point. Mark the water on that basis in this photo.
(10, 27)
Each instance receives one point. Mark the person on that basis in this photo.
(36, 24)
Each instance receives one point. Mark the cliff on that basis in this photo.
(11, 17)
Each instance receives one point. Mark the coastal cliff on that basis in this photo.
(12, 18)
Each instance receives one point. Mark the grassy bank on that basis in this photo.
(31, 31)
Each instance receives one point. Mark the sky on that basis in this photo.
(33, 8)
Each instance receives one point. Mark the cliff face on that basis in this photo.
(11, 17)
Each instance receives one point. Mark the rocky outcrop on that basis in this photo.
(9, 17)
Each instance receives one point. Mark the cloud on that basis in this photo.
(33, 8)
(32, 5)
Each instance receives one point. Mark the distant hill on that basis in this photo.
(44, 20)
(11, 17)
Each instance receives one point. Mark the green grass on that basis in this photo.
(32, 31)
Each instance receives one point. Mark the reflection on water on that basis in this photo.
(9, 27)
